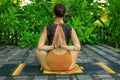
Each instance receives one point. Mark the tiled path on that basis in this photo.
(88, 54)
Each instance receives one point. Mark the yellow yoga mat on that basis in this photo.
(77, 69)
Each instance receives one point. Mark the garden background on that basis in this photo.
(95, 23)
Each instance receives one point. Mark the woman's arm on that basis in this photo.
(76, 44)
(42, 40)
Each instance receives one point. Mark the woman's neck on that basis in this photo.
(58, 20)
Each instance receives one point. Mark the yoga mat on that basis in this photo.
(114, 66)
(7, 69)
(34, 69)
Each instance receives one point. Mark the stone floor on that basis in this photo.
(88, 54)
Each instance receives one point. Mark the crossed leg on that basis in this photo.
(41, 55)
(74, 55)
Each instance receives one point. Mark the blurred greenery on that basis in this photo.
(95, 23)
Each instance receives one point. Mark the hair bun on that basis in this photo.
(59, 10)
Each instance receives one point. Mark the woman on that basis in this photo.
(58, 55)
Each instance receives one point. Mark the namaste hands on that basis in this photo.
(59, 39)
(58, 43)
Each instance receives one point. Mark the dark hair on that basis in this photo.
(59, 10)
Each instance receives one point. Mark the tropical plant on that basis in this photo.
(113, 30)
(93, 22)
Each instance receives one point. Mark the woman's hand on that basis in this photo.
(61, 41)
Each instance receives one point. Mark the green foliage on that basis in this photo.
(113, 30)
(23, 25)
(82, 21)
(29, 39)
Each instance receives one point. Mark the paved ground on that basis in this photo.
(88, 54)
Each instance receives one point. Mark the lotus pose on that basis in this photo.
(57, 55)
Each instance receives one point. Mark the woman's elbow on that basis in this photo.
(78, 48)
(39, 48)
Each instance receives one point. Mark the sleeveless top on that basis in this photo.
(51, 31)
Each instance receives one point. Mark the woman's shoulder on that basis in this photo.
(52, 25)
(49, 26)
(67, 26)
